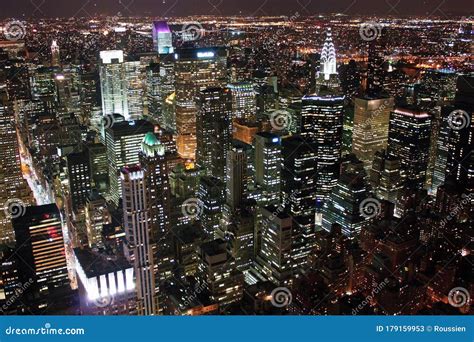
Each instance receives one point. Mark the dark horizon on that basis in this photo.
(172, 8)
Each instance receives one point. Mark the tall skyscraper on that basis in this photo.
(275, 258)
(113, 83)
(195, 70)
(244, 101)
(344, 204)
(211, 201)
(370, 128)
(138, 247)
(79, 177)
(321, 119)
(268, 161)
(327, 75)
(40, 242)
(123, 141)
(385, 176)
(162, 37)
(213, 131)
(55, 57)
(236, 177)
(12, 185)
(135, 89)
(409, 141)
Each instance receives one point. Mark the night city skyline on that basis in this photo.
(185, 158)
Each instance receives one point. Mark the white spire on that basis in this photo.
(328, 57)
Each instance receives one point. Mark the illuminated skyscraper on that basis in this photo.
(123, 142)
(218, 273)
(385, 176)
(211, 201)
(79, 177)
(195, 70)
(55, 57)
(236, 177)
(409, 141)
(244, 101)
(135, 89)
(40, 242)
(12, 185)
(268, 166)
(343, 206)
(113, 83)
(162, 38)
(321, 119)
(138, 247)
(213, 131)
(327, 75)
(370, 129)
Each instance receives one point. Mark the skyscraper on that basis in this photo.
(370, 129)
(409, 141)
(79, 177)
(321, 119)
(113, 83)
(385, 176)
(327, 75)
(244, 101)
(55, 57)
(138, 247)
(211, 201)
(12, 185)
(40, 242)
(213, 130)
(135, 89)
(268, 160)
(236, 177)
(162, 38)
(344, 204)
(195, 70)
(123, 141)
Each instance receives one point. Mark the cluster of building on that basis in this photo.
(192, 179)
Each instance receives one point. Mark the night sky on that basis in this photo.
(77, 8)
